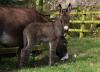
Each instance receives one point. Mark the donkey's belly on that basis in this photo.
(6, 39)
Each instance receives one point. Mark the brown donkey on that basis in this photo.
(13, 20)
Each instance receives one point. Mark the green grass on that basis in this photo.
(87, 51)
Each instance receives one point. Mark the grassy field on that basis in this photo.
(87, 52)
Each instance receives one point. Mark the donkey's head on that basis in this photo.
(64, 16)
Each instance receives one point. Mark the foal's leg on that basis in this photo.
(52, 51)
(25, 52)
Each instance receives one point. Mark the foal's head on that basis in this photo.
(64, 16)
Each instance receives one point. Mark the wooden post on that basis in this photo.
(82, 26)
(29, 3)
(39, 4)
(92, 25)
(82, 33)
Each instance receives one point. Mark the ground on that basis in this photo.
(84, 57)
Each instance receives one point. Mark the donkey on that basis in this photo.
(13, 20)
(49, 32)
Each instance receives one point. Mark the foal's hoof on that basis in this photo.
(65, 57)
(51, 64)
(17, 66)
(20, 66)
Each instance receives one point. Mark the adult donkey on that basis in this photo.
(51, 32)
(13, 20)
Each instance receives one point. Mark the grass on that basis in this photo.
(86, 50)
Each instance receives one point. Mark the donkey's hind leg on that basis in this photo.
(19, 51)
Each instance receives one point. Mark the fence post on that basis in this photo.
(92, 25)
(39, 4)
(81, 31)
(82, 26)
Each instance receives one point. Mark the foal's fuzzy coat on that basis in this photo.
(47, 32)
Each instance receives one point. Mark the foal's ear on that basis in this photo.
(69, 8)
(60, 8)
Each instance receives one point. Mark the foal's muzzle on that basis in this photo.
(66, 28)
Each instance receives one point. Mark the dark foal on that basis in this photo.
(50, 32)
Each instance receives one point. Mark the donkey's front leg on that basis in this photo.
(52, 52)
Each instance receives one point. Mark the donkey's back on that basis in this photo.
(12, 22)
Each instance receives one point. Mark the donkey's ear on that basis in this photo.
(69, 8)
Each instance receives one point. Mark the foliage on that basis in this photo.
(11, 2)
(5, 2)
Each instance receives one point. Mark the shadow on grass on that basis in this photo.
(8, 64)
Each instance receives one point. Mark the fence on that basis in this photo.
(82, 29)
(82, 21)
